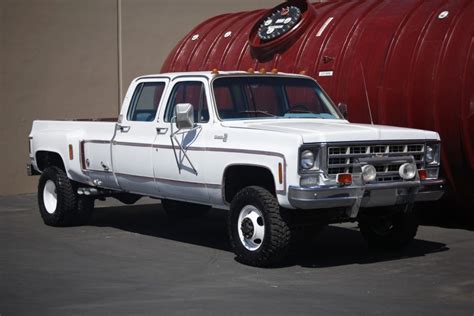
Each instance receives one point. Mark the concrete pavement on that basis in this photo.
(132, 260)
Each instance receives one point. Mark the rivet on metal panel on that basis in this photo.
(228, 34)
(195, 37)
(443, 15)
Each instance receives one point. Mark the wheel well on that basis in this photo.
(240, 176)
(45, 159)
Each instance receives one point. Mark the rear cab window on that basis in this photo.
(145, 101)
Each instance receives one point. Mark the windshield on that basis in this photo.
(261, 97)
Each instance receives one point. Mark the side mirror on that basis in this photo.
(184, 115)
(342, 107)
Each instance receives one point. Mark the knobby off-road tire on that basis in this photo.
(59, 204)
(177, 210)
(389, 228)
(258, 230)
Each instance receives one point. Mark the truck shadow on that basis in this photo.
(334, 246)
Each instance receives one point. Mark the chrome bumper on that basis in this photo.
(369, 195)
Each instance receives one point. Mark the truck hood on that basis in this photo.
(324, 130)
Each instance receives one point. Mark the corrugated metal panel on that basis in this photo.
(419, 65)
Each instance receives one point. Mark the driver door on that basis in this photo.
(179, 157)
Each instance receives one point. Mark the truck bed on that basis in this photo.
(88, 139)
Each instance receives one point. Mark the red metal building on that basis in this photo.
(417, 57)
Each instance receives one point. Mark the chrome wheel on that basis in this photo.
(50, 198)
(251, 227)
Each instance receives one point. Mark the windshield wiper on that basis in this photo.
(299, 108)
(257, 112)
(298, 111)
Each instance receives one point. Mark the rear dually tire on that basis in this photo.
(59, 203)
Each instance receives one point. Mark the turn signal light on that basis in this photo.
(280, 173)
(274, 71)
(251, 70)
(344, 178)
(71, 152)
(422, 174)
(215, 71)
(263, 71)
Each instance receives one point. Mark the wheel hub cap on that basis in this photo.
(50, 198)
(247, 228)
(251, 227)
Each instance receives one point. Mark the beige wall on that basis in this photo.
(59, 60)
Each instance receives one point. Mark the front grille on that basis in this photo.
(343, 158)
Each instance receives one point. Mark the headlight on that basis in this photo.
(432, 154)
(429, 154)
(307, 159)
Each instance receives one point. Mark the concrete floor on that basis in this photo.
(131, 260)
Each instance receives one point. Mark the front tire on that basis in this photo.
(259, 234)
(389, 228)
(59, 204)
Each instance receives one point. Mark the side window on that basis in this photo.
(145, 101)
(189, 92)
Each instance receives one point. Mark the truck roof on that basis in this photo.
(216, 73)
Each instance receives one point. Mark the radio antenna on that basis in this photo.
(366, 94)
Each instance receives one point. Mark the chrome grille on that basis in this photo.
(343, 158)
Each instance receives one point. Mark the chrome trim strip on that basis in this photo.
(132, 144)
(392, 185)
(382, 142)
(214, 186)
(96, 141)
(96, 170)
(210, 149)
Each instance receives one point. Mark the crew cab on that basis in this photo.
(270, 148)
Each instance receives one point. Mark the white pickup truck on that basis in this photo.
(271, 148)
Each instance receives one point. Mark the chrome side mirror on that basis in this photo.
(342, 107)
(184, 115)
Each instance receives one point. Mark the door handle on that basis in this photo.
(123, 129)
(221, 137)
(161, 130)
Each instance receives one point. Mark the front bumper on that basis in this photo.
(368, 195)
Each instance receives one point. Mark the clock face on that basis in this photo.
(279, 23)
